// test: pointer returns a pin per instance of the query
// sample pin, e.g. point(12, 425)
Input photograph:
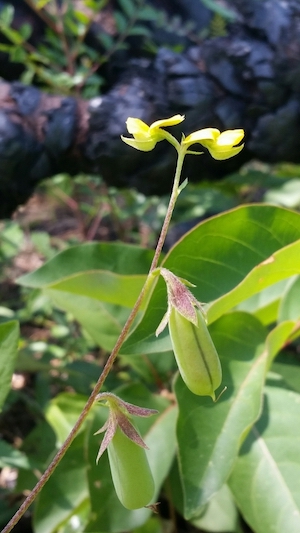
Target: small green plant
point(63, 61)
point(68, 61)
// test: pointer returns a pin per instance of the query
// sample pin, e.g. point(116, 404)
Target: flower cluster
point(220, 145)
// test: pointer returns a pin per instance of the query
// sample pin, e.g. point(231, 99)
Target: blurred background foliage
point(66, 46)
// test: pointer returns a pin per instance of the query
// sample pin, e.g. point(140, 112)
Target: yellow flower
point(220, 145)
point(145, 137)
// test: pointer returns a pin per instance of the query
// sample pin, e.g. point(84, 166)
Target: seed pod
point(130, 472)
point(197, 358)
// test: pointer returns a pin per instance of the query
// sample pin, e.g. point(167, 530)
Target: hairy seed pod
point(196, 356)
point(130, 472)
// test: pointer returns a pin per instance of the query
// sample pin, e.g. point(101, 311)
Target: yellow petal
point(143, 145)
point(164, 123)
point(224, 153)
point(230, 137)
point(209, 134)
point(136, 126)
point(220, 145)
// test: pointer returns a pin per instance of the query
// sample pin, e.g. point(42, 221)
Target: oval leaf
point(109, 272)
point(210, 435)
point(229, 258)
point(265, 480)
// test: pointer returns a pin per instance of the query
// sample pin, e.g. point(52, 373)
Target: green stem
point(172, 202)
point(110, 361)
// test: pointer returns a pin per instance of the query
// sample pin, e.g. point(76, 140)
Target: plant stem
point(110, 361)
point(172, 202)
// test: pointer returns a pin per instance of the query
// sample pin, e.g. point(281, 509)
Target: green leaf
point(18, 54)
point(265, 304)
point(9, 456)
point(110, 272)
point(154, 369)
point(82, 17)
point(287, 366)
point(229, 258)
point(128, 7)
point(104, 286)
point(287, 194)
point(42, 3)
point(102, 321)
point(265, 480)
point(25, 30)
point(221, 514)
point(153, 525)
point(282, 264)
point(161, 441)
point(121, 22)
point(62, 413)
point(228, 14)
point(96, 5)
point(65, 493)
point(5, 48)
point(209, 435)
point(38, 446)
point(95, 282)
point(106, 40)
point(11, 237)
point(143, 339)
point(148, 13)
point(12, 35)
point(9, 335)
point(140, 30)
point(7, 15)
point(289, 308)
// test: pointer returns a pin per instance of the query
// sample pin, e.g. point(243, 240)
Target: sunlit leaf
point(210, 435)
point(65, 493)
point(62, 413)
point(221, 514)
point(265, 480)
point(9, 456)
point(229, 258)
point(102, 321)
point(110, 272)
point(9, 335)
point(289, 308)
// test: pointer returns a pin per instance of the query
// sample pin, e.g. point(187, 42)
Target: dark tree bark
point(248, 79)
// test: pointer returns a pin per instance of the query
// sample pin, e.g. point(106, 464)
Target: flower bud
point(130, 471)
point(196, 356)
